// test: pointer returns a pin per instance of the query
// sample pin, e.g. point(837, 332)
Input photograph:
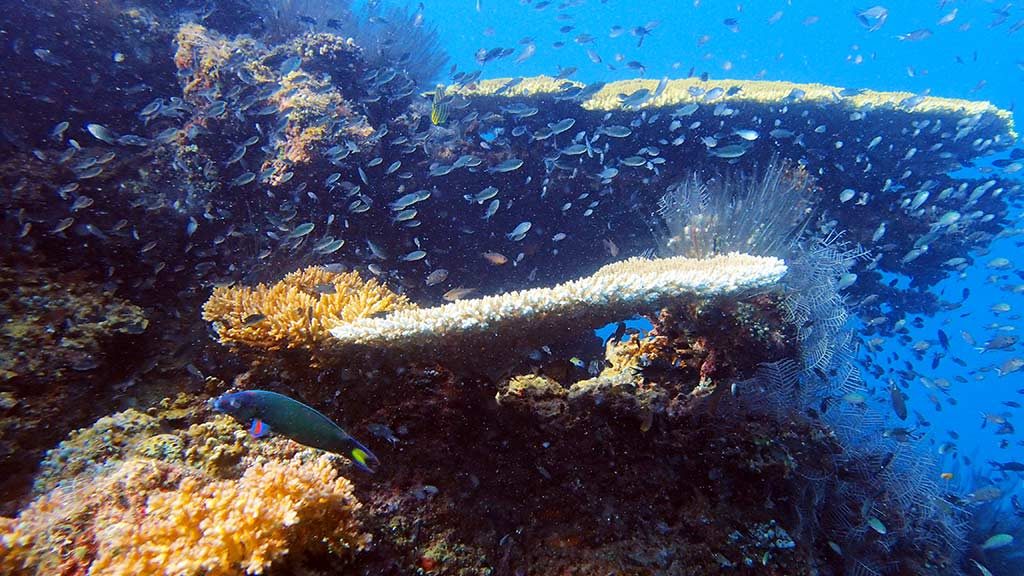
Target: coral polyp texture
point(149, 517)
point(298, 311)
point(615, 291)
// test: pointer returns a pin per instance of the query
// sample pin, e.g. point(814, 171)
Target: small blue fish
point(519, 232)
point(290, 65)
point(506, 166)
point(265, 411)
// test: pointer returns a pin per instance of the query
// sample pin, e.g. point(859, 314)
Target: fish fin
point(362, 457)
point(259, 428)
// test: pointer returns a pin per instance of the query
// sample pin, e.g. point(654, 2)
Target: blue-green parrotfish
point(265, 411)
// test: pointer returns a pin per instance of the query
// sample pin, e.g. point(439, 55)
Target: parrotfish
point(265, 411)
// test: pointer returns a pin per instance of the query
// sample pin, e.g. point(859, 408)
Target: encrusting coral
point(298, 311)
point(149, 517)
point(88, 449)
point(316, 110)
point(212, 446)
point(615, 291)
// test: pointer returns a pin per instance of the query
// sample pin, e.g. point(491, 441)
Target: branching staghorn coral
point(298, 311)
point(148, 517)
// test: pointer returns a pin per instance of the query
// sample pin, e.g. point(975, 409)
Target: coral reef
point(298, 311)
point(336, 316)
point(308, 97)
point(863, 130)
point(57, 325)
point(594, 477)
point(184, 148)
point(148, 517)
point(389, 36)
point(846, 509)
point(174, 490)
point(755, 214)
point(533, 393)
point(274, 509)
point(86, 450)
point(62, 339)
point(215, 446)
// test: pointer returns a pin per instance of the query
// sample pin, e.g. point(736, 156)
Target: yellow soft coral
point(298, 311)
point(147, 517)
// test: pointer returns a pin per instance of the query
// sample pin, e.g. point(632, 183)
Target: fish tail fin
point(361, 456)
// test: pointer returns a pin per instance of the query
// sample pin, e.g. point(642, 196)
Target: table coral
point(687, 90)
point(615, 291)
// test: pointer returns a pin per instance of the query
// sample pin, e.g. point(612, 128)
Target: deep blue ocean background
point(814, 42)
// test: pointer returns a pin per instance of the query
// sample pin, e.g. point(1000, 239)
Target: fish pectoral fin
point(259, 428)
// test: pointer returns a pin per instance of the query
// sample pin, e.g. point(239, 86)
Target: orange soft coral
point(298, 311)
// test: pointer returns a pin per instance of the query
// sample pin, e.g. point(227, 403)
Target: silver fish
point(519, 232)
point(101, 133)
point(330, 247)
point(507, 166)
point(482, 196)
point(492, 208)
point(301, 230)
point(616, 131)
point(243, 179)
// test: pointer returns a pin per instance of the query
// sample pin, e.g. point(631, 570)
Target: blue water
point(793, 48)
point(972, 57)
point(809, 42)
